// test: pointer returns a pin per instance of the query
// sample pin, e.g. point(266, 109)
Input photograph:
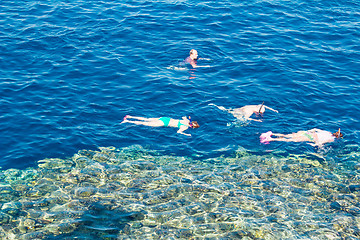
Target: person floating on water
point(314, 137)
point(192, 59)
point(182, 124)
point(244, 113)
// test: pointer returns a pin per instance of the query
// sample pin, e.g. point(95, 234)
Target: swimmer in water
point(244, 113)
point(182, 124)
point(314, 137)
point(192, 59)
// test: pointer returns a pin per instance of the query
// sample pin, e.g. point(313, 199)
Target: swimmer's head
point(194, 124)
point(193, 54)
point(338, 134)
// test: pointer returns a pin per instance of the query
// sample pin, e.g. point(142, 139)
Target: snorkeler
point(314, 137)
point(183, 124)
point(244, 113)
point(192, 58)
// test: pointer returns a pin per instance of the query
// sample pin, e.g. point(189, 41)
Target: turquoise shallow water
point(137, 193)
point(70, 71)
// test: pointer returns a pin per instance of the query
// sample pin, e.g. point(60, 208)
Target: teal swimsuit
point(166, 121)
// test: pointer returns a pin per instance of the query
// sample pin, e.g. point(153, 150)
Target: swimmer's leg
point(289, 139)
point(280, 139)
point(138, 118)
point(219, 107)
point(154, 123)
point(141, 118)
point(293, 136)
point(280, 135)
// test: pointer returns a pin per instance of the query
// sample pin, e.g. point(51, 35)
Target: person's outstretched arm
point(271, 109)
point(251, 119)
point(182, 129)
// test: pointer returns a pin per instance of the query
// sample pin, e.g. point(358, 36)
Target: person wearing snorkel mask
point(182, 124)
point(192, 59)
point(314, 137)
point(244, 113)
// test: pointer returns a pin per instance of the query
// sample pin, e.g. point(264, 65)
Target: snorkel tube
point(190, 122)
point(338, 134)
point(261, 107)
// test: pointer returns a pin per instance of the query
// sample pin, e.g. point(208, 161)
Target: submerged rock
point(135, 193)
point(354, 188)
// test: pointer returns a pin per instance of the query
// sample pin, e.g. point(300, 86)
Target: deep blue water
point(70, 71)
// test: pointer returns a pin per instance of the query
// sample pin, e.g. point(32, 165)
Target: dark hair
point(194, 124)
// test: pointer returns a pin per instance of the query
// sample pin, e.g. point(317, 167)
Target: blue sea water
point(71, 70)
